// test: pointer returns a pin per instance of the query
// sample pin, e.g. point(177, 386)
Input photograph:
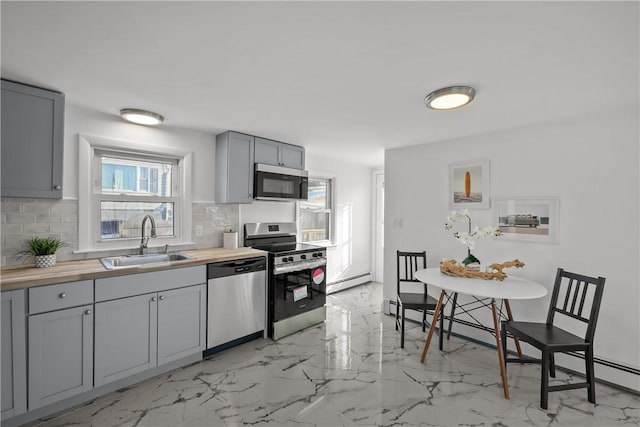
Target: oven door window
point(298, 291)
point(278, 185)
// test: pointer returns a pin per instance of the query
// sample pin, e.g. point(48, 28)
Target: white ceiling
point(343, 79)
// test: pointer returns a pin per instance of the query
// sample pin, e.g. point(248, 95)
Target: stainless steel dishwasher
point(236, 302)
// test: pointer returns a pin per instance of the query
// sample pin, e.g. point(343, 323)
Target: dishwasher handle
point(235, 267)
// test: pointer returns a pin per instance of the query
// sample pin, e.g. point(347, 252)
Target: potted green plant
point(44, 250)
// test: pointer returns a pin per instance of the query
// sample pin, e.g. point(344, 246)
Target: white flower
point(469, 238)
point(455, 217)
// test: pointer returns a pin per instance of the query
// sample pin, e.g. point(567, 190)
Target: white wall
point(351, 255)
point(80, 120)
point(348, 258)
point(591, 164)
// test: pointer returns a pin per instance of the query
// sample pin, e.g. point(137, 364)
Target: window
point(133, 187)
point(124, 183)
point(316, 214)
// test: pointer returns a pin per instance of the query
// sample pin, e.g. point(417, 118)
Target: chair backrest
point(578, 297)
point(408, 264)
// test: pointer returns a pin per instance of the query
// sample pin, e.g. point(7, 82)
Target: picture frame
point(469, 185)
point(529, 219)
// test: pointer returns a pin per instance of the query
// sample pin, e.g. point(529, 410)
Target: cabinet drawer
point(129, 285)
point(63, 295)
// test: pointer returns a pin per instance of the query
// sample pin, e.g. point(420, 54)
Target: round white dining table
point(512, 287)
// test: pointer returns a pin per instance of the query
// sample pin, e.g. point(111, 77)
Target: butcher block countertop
point(68, 271)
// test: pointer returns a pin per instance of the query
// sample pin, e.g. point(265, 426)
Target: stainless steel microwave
point(279, 183)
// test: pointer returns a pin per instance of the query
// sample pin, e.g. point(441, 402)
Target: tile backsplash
point(25, 218)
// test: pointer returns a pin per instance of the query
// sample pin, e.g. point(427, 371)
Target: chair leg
point(552, 365)
point(402, 330)
point(424, 320)
point(544, 382)
point(591, 379)
point(503, 338)
point(453, 309)
point(397, 313)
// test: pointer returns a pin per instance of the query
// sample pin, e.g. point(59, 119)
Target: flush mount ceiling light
point(141, 117)
point(449, 98)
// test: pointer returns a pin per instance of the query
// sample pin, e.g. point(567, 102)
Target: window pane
point(135, 176)
point(314, 226)
point(124, 219)
point(318, 194)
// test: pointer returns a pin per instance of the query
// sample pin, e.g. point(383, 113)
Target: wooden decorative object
point(451, 268)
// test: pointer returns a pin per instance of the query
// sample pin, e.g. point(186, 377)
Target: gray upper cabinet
point(32, 141)
point(234, 168)
point(60, 355)
point(278, 153)
point(14, 354)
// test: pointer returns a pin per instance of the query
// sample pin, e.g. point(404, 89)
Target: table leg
point(510, 317)
point(436, 313)
point(453, 309)
point(503, 371)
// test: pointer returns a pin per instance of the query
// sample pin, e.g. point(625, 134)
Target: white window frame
point(90, 193)
point(330, 210)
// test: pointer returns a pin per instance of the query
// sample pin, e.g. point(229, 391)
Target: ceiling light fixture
point(141, 117)
point(449, 98)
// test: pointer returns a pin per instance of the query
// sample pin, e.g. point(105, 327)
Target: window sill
point(324, 244)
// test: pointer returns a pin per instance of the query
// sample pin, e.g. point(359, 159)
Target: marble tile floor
point(350, 371)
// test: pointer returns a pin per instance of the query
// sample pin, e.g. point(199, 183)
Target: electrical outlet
point(199, 231)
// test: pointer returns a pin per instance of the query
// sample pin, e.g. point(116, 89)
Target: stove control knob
point(290, 259)
point(284, 259)
point(303, 257)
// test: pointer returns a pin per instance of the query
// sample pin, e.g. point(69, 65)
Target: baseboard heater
point(340, 285)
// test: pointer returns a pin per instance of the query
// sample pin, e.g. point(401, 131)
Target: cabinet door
point(14, 354)
point(292, 156)
point(267, 152)
point(60, 355)
point(181, 323)
point(126, 337)
point(234, 168)
point(32, 141)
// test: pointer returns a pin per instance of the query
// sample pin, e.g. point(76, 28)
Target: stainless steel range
point(296, 277)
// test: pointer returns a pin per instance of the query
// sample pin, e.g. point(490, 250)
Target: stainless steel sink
point(127, 261)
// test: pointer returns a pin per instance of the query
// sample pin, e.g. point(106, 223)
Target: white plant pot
point(43, 261)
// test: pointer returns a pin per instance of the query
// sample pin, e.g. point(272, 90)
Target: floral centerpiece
point(469, 237)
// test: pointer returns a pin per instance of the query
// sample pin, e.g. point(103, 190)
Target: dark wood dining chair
point(408, 263)
point(575, 297)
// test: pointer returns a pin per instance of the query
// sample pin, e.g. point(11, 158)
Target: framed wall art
point(527, 218)
point(469, 185)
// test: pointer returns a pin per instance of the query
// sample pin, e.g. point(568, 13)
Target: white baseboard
point(348, 283)
point(388, 306)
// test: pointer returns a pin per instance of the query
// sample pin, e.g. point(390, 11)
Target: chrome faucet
point(145, 240)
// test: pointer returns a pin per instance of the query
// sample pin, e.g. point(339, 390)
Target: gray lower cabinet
point(137, 333)
point(14, 354)
point(60, 355)
point(126, 336)
point(181, 322)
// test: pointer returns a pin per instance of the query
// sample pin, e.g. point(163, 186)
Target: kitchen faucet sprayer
point(145, 240)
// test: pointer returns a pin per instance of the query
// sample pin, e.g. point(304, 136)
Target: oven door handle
point(299, 266)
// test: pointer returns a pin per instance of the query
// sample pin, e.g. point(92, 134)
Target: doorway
point(379, 229)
